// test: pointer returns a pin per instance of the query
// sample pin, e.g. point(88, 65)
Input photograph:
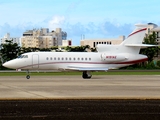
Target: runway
point(74, 87)
point(71, 97)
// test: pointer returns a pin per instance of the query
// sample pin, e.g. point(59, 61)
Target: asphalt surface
point(79, 109)
point(71, 97)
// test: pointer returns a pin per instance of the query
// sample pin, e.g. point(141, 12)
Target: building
point(66, 42)
point(42, 38)
point(155, 28)
point(7, 37)
point(93, 42)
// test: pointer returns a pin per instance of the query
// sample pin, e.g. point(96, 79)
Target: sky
point(91, 19)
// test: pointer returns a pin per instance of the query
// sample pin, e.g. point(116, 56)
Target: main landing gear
point(28, 76)
point(86, 75)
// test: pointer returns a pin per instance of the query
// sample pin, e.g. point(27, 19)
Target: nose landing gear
point(28, 76)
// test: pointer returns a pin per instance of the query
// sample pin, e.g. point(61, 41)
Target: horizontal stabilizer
point(140, 45)
point(87, 68)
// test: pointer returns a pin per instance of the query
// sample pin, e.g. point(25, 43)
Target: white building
point(7, 37)
point(66, 42)
point(94, 42)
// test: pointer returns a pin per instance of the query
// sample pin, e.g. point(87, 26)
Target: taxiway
point(74, 87)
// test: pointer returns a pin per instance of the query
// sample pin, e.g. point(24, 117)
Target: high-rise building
point(42, 38)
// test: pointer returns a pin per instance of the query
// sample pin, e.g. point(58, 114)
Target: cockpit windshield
point(23, 56)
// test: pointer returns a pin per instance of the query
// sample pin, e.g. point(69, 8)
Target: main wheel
point(86, 75)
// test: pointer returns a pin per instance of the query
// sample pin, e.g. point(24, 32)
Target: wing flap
point(87, 68)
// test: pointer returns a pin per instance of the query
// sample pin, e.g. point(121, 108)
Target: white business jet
point(107, 57)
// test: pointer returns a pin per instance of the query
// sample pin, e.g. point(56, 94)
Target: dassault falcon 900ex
point(107, 57)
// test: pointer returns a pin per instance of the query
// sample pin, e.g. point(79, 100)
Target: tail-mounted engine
point(111, 58)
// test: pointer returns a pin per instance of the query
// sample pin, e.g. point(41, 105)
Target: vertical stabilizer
point(137, 36)
point(131, 44)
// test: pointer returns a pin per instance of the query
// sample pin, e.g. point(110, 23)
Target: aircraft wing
point(87, 68)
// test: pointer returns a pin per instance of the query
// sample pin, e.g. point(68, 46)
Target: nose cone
point(10, 64)
point(5, 64)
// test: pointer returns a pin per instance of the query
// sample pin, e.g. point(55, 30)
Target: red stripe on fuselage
point(133, 62)
point(126, 62)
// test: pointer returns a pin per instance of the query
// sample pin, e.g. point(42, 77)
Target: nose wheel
point(28, 76)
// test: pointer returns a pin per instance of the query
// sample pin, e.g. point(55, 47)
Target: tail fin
point(131, 44)
point(137, 36)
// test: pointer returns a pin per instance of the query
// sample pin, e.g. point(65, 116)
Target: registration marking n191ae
point(111, 57)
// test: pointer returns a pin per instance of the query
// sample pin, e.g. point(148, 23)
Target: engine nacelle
point(111, 58)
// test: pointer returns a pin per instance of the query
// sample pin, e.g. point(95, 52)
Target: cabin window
point(50, 58)
point(66, 58)
point(58, 58)
point(70, 59)
point(47, 58)
point(54, 58)
point(94, 44)
point(74, 58)
point(85, 58)
point(81, 58)
point(78, 58)
point(89, 58)
point(19, 56)
point(25, 56)
point(62, 58)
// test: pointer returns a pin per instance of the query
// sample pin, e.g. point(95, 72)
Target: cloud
point(17, 30)
point(112, 29)
point(104, 30)
point(91, 30)
point(74, 31)
point(56, 21)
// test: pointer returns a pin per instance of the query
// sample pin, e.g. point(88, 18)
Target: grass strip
point(80, 73)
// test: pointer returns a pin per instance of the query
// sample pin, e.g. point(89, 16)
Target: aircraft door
point(35, 61)
point(103, 57)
